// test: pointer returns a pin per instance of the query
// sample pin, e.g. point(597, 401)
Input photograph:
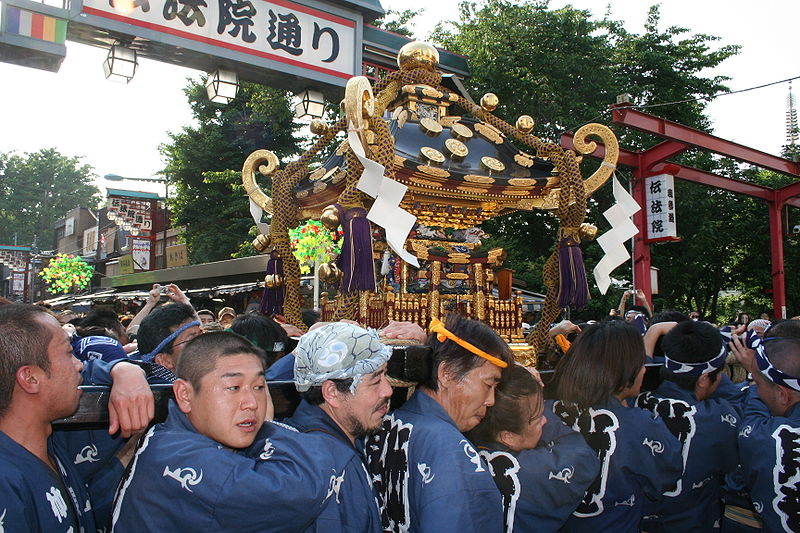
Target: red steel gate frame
point(679, 138)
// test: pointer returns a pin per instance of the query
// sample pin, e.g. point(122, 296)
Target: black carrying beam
point(92, 411)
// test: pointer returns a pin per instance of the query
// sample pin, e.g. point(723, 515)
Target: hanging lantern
point(312, 105)
point(222, 86)
point(120, 64)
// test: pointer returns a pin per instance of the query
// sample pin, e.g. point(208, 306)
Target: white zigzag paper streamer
point(256, 212)
point(386, 211)
point(613, 241)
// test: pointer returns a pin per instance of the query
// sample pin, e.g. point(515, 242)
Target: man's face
point(205, 319)
point(468, 399)
point(179, 343)
point(60, 388)
point(232, 402)
point(361, 413)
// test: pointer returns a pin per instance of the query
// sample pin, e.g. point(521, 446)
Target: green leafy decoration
point(314, 243)
point(67, 273)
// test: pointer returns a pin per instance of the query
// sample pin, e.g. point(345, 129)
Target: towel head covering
point(337, 351)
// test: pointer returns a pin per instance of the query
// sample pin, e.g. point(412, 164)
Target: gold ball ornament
point(587, 232)
point(318, 127)
point(489, 102)
point(417, 54)
point(330, 217)
point(525, 124)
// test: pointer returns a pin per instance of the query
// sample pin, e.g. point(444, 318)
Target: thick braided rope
point(383, 153)
point(407, 77)
point(285, 207)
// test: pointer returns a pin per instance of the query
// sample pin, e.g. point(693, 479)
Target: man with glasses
point(162, 336)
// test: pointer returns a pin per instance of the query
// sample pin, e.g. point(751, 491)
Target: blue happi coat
point(639, 458)
point(769, 451)
point(31, 496)
point(34, 498)
point(707, 432)
point(97, 347)
point(93, 454)
point(181, 480)
point(428, 476)
point(541, 487)
point(354, 508)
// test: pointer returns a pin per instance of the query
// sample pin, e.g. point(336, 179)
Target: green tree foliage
point(398, 21)
point(37, 189)
point(203, 165)
point(564, 69)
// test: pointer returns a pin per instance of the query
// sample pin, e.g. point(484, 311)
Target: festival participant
point(190, 473)
point(639, 457)
point(541, 466)
point(429, 477)
point(340, 371)
point(770, 430)
point(172, 292)
point(162, 337)
point(41, 489)
point(264, 333)
point(705, 426)
point(643, 308)
point(206, 317)
point(226, 316)
point(759, 326)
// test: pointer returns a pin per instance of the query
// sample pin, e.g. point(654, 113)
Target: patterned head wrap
point(337, 351)
point(770, 372)
point(696, 369)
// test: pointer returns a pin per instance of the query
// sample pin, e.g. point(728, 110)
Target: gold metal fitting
point(587, 232)
point(330, 217)
point(319, 127)
point(417, 54)
point(456, 149)
point(525, 124)
point(262, 243)
point(430, 126)
point(273, 280)
point(489, 102)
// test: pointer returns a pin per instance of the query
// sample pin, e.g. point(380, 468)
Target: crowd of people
point(399, 429)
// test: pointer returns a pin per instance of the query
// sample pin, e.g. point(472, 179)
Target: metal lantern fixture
point(312, 105)
point(222, 86)
point(120, 64)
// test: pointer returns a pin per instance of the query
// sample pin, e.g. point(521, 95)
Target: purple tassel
point(272, 298)
point(573, 290)
point(355, 261)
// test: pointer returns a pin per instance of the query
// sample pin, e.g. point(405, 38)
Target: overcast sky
point(117, 128)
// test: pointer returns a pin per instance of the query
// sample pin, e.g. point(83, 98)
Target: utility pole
point(34, 257)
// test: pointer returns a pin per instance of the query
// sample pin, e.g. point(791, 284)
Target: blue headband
point(696, 369)
point(773, 374)
point(171, 337)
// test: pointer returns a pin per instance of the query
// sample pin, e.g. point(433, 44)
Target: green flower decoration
point(312, 242)
point(67, 273)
